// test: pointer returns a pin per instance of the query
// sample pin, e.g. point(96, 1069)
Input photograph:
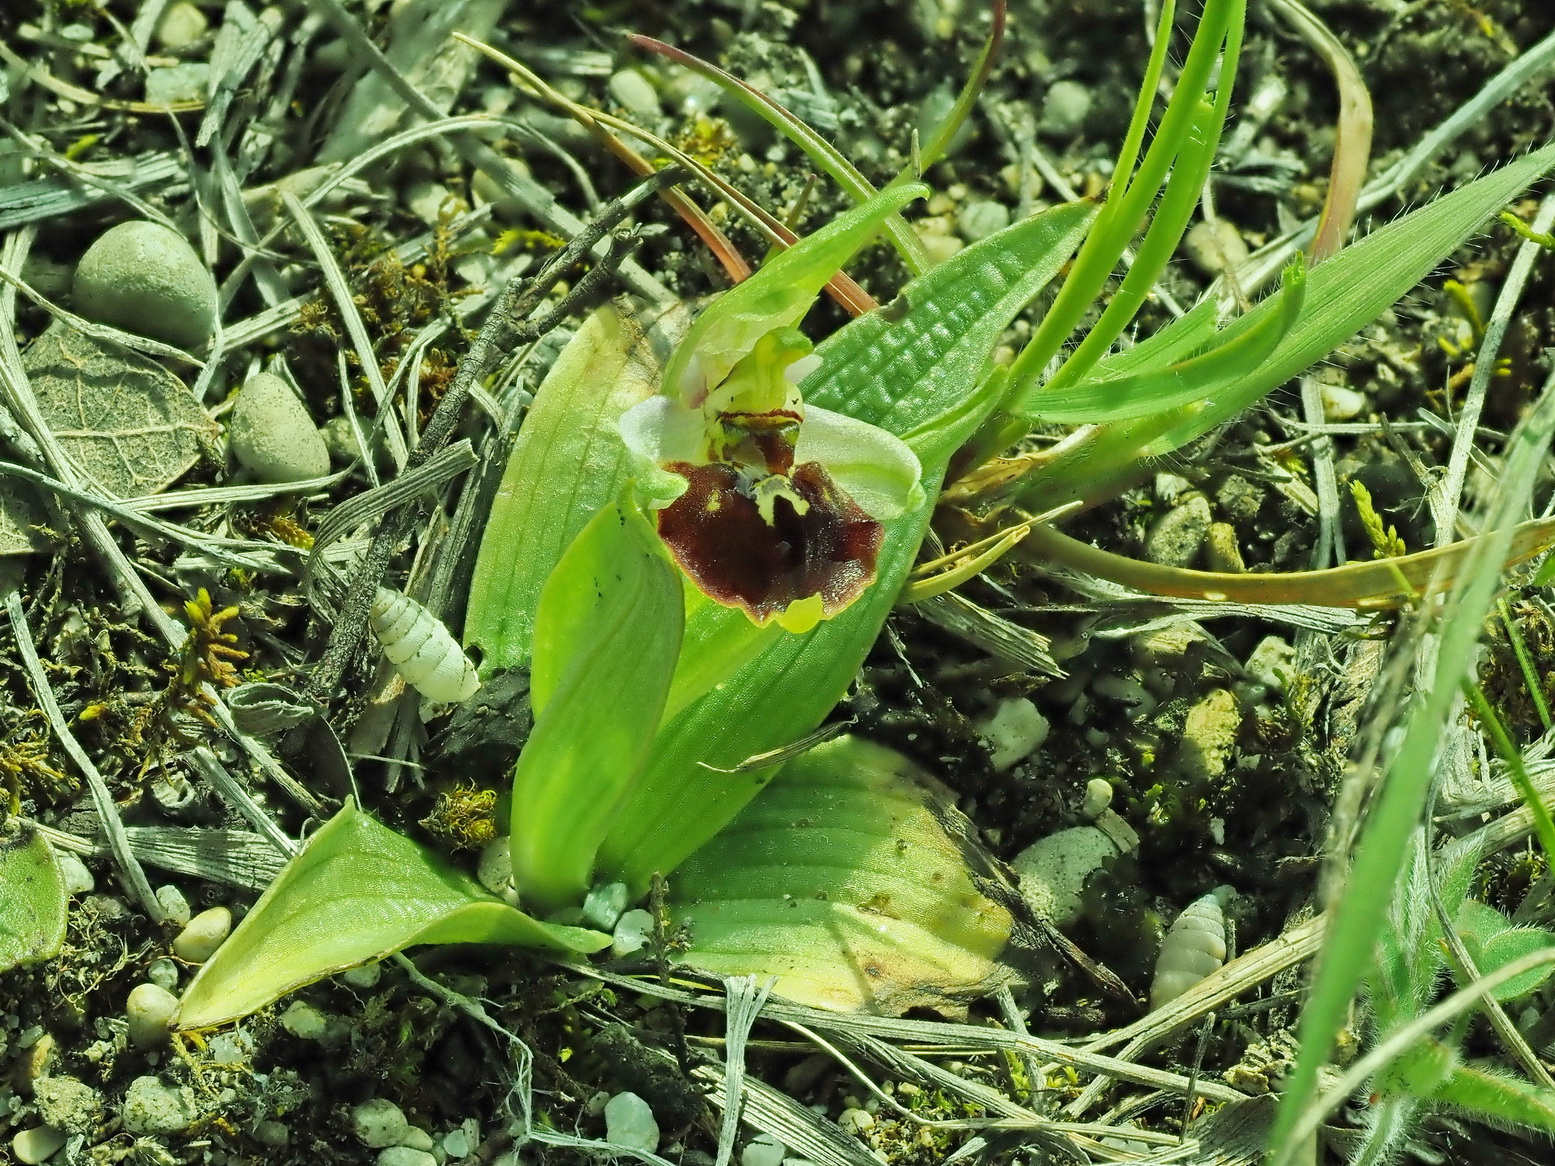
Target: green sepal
point(356, 893)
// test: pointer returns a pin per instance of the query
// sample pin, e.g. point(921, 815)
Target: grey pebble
point(978, 220)
point(202, 935)
point(150, 1011)
point(37, 1144)
point(1178, 535)
point(272, 435)
point(78, 880)
point(1064, 109)
point(67, 1104)
point(634, 92)
point(143, 278)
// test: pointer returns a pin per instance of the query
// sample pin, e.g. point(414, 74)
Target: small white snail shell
point(1193, 948)
point(421, 649)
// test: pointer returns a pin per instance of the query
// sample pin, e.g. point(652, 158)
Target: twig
point(102, 800)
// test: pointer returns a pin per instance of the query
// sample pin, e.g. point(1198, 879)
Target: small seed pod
point(422, 650)
point(1193, 948)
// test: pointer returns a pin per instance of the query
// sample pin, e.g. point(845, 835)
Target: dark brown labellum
point(716, 532)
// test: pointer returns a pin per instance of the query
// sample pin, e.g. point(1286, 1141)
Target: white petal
point(876, 468)
point(659, 431)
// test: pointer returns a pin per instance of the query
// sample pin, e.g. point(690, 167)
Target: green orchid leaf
point(32, 898)
point(843, 880)
point(356, 893)
point(606, 641)
point(777, 296)
point(906, 367)
point(1225, 364)
point(567, 463)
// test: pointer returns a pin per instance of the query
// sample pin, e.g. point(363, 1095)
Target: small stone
point(603, 905)
point(629, 1122)
point(181, 25)
point(1238, 499)
point(172, 84)
point(856, 1121)
point(68, 1104)
point(273, 1134)
point(1014, 731)
point(405, 1156)
point(1215, 247)
point(39, 1052)
point(1064, 109)
point(231, 1048)
point(272, 434)
point(202, 935)
point(37, 1144)
point(364, 977)
point(144, 278)
point(1053, 871)
point(428, 200)
point(1209, 736)
point(304, 1021)
point(150, 1011)
point(1342, 404)
point(163, 972)
point(1272, 663)
point(1170, 487)
point(1178, 535)
point(1098, 796)
point(980, 219)
point(78, 880)
point(378, 1122)
point(417, 1139)
point(634, 93)
point(152, 1107)
point(1222, 551)
point(494, 871)
point(175, 906)
point(763, 1150)
point(631, 933)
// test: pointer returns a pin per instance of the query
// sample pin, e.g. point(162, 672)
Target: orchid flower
point(767, 504)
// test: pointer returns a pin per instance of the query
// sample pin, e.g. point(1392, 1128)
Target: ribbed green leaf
point(32, 898)
point(842, 880)
point(356, 893)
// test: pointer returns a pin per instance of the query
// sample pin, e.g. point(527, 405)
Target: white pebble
point(304, 1021)
point(1053, 871)
point(202, 935)
point(417, 1139)
point(78, 880)
point(1193, 948)
point(405, 1156)
point(378, 1122)
point(272, 433)
point(150, 1107)
point(147, 279)
point(1342, 404)
point(150, 1011)
point(1098, 796)
point(629, 1122)
point(495, 871)
point(363, 977)
point(1013, 732)
point(763, 1150)
point(631, 933)
point(37, 1144)
point(635, 92)
point(175, 906)
point(181, 25)
point(856, 1121)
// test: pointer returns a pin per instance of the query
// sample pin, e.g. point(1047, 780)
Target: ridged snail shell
point(1193, 948)
point(422, 650)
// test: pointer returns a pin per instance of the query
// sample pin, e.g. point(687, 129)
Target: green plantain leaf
point(842, 880)
point(903, 368)
point(356, 893)
point(605, 644)
point(1510, 944)
point(32, 898)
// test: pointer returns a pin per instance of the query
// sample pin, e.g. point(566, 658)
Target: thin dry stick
point(1444, 500)
point(102, 800)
